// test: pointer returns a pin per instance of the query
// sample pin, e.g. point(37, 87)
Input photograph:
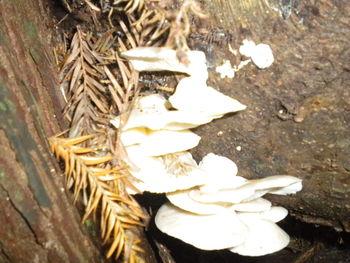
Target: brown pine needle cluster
point(120, 213)
point(97, 85)
point(84, 94)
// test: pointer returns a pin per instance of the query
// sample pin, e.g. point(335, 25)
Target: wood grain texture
point(39, 222)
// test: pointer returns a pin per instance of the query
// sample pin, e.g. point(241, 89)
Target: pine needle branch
point(80, 74)
point(120, 213)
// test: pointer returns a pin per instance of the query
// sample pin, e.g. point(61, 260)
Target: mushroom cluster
point(228, 211)
point(156, 135)
point(209, 206)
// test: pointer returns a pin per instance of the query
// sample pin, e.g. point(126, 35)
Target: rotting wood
point(39, 222)
point(297, 121)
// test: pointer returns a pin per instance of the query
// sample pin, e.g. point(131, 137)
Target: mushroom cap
point(278, 184)
point(193, 94)
point(166, 59)
point(221, 173)
point(154, 175)
point(234, 196)
point(207, 232)
point(273, 214)
point(264, 237)
point(182, 200)
point(250, 190)
point(162, 142)
point(151, 112)
point(256, 205)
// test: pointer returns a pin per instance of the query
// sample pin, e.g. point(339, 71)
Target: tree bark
point(298, 116)
point(38, 221)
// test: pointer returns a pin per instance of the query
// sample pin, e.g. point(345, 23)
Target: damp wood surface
point(297, 121)
point(38, 220)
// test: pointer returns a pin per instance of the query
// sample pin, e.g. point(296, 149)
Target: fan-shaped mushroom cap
point(251, 190)
point(264, 237)
point(163, 142)
point(166, 59)
point(278, 184)
point(193, 94)
point(208, 232)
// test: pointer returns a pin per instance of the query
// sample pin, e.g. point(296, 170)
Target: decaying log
point(38, 221)
point(298, 116)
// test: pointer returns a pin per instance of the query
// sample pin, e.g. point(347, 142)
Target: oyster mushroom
point(166, 59)
point(151, 112)
point(208, 232)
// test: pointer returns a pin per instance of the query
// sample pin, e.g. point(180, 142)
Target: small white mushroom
point(264, 237)
point(166, 59)
point(208, 232)
point(260, 54)
point(193, 94)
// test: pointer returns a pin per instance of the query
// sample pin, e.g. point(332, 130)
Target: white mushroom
point(225, 171)
point(193, 94)
point(208, 232)
point(182, 200)
point(278, 184)
point(273, 214)
point(264, 237)
point(251, 190)
point(167, 59)
point(151, 112)
point(134, 136)
point(154, 175)
point(161, 142)
point(260, 54)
